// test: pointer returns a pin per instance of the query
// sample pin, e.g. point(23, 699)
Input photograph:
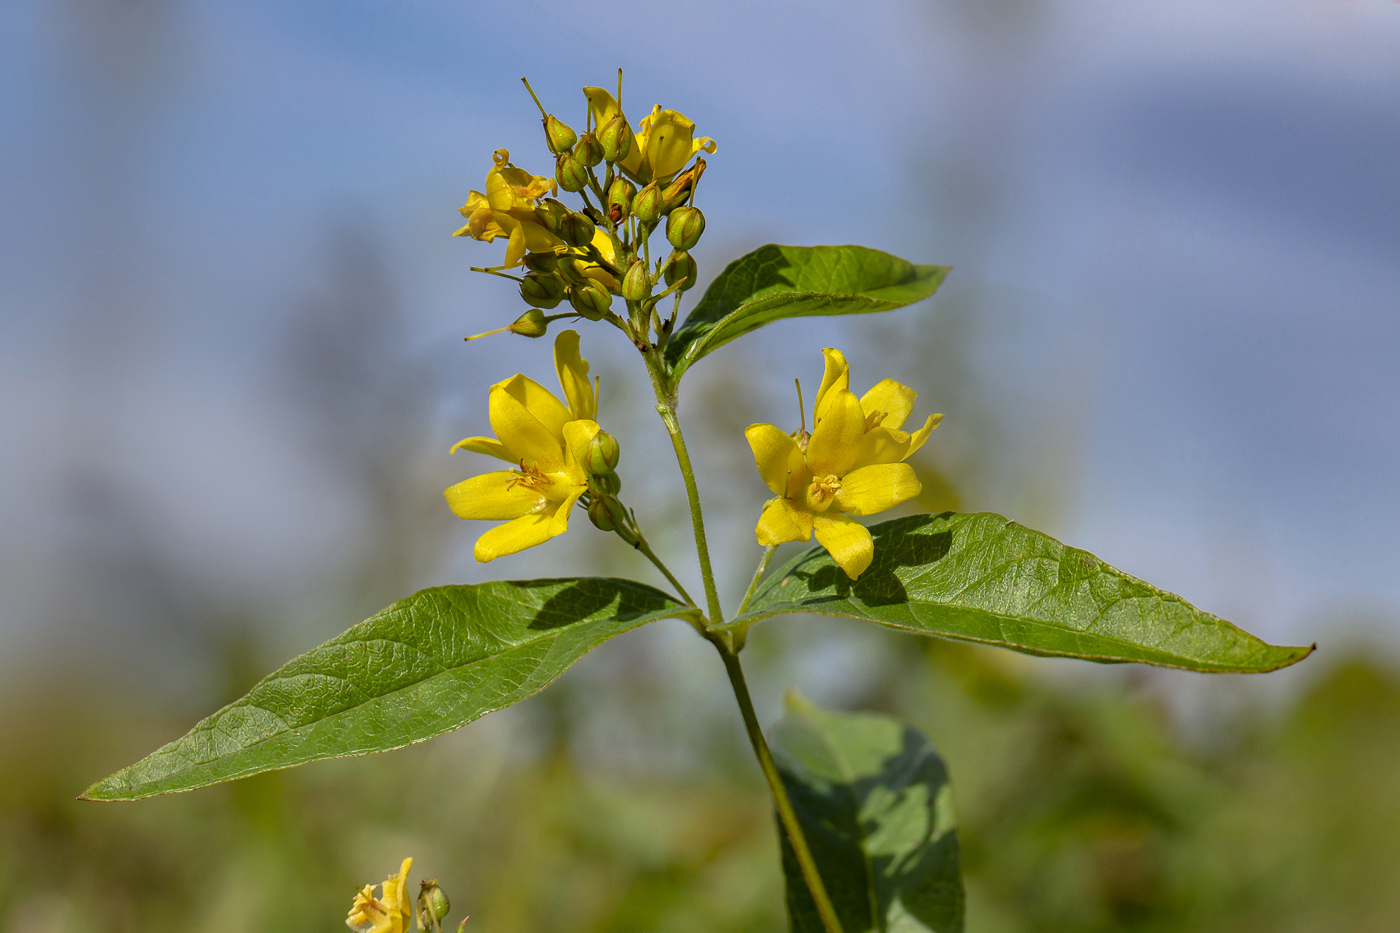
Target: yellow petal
point(846, 540)
point(707, 144)
point(837, 434)
point(603, 108)
point(560, 514)
point(522, 433)
point(895, 401)
point(515, 246)
point(513, 537)
point(836, 376)
point(485, 445)
point(494, 497)
point(573, 376)
point(881, 445)
point(604, 244)
point(917, 439)
point(778, 458)
point(781, 522)
point(669, 145)
point(875, 488)
point(541, 402)
point(577, 435)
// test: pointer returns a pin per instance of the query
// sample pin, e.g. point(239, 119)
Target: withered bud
point(674, 194)
point(620, 199)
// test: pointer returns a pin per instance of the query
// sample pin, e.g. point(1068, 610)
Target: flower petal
point(875, 488)
point(494, 497)
point(837, 376)
point(669, 145)
point(577, 436)
point(540, 402)
point(513, 537)
point(837, 434)
point(881, 445)
point(895, 401)
point(917, 439)
point(781, 522)
point(573, 376)
point(485, 445)
point(778, 458)
point(521, 432)
point(603, 108)
point(846, 540)
point(560, 515)
point(515, 246)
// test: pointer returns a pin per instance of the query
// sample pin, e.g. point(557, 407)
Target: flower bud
point(682, 267)
point(558, 134)
point(541, 262)
point(570, 173)
point(620, 199)
point(550, 213)
point(542, 291)
point(605, 484)
point(636, 286)
point(590, 299)
point(603, 454)
point(604, 513)
point(646, 206)
point(588, 151)
point(616, 139)
point(432, 905)
point(684, 226)
point(674, 194)
point(576, 230)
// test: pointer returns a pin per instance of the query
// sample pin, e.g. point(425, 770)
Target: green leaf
point(984, 579)
point(776, 282)
point(426, 665)
point(874, 803)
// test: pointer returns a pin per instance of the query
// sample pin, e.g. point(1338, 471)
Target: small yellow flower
point(547, 440)
point(508, 209)
point(665, 139)
point(391, 912)
point(851, 464)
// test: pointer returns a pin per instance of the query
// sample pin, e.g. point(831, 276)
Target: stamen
point(801, 406)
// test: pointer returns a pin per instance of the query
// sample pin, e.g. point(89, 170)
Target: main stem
point(786, 814)
point(666, 408)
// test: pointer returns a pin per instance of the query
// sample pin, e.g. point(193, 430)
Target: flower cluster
point(391, 912)
point(852, 464)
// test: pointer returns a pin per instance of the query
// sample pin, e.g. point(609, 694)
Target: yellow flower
point(851, 464)
point(664, 142)
point(547, 440)
point(388, 913)
point(508, 209)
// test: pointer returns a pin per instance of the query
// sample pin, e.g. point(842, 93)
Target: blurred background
point(231, 367)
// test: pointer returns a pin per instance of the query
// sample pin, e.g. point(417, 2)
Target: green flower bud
point(588, 151)
point(603, 454)
point(601, 513)
point(558, 134)
point(570, 173)
point(682, 267)
point(646, 206)
point(684, 226)
point(432, 905)
point(590, 299)
point(616, 139)
point(542, 291)
point(576, 230)
point(605, 484)
point(620, 199)
point(541, 262)
point(550, 213)
point(635, 285)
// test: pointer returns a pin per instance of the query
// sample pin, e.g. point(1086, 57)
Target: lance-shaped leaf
point(776, 282)
point(984, 579)
point(873, 799)
point(424, 666)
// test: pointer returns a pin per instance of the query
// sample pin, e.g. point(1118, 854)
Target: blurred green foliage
point(1082, 808)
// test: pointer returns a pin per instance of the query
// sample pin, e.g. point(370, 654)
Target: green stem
point(656, 562)
point(666, 408)
point(786, 814)
point(757, 575)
